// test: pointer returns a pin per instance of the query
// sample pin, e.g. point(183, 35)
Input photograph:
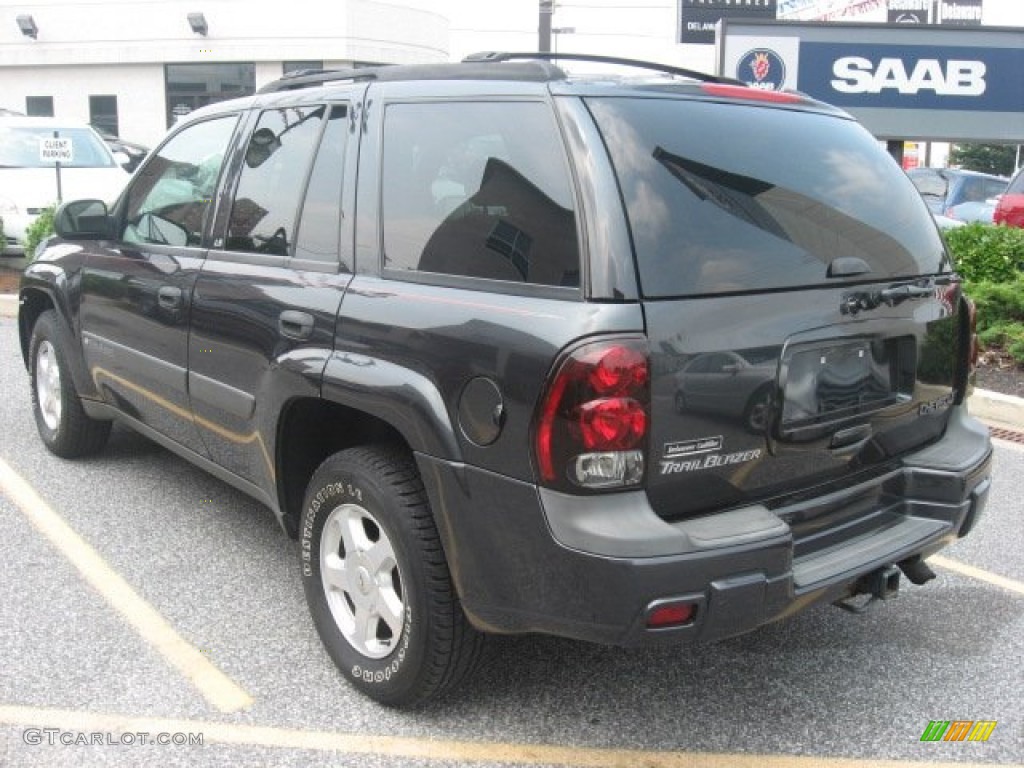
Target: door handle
point(295, 324)
point(169, 297)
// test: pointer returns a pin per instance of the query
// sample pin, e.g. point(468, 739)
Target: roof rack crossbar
point(499, 56)
point(307, 78)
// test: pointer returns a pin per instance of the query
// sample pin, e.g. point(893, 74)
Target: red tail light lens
point(613, 424)
point(593, 420)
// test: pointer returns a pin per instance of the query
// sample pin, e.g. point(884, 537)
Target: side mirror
point(122, 158)
point(82, 220)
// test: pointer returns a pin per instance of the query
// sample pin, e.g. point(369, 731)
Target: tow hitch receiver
point(883, 584)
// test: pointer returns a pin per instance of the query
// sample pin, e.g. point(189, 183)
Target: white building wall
point(139, 89)
point(119, 47)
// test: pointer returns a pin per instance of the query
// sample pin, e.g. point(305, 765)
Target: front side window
point(170, 197)
point(271, 185)
point(478, 190)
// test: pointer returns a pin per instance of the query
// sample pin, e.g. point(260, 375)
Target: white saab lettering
point(960, 78)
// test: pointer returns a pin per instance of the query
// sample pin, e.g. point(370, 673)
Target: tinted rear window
point(731, 198)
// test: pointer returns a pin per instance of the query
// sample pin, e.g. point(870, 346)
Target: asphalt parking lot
point(142, 599)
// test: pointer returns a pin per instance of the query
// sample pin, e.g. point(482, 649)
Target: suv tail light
point(593, 420)
point(972, 315)
point(968, 346)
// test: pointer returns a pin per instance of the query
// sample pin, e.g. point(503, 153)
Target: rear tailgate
point(802, 317)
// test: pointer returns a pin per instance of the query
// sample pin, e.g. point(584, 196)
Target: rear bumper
point(531, 560)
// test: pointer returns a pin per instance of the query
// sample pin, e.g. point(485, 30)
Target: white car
point(28, 184)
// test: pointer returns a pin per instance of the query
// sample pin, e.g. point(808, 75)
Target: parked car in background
point(944, 222)
point(136, 153)
point(730, 383)
point(943, 188)
point(28, 184)
point(972, 211)
point(1010, 207)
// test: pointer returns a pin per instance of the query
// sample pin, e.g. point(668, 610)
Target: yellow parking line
point(977, 573)
point(216, 687)
point(71, 721)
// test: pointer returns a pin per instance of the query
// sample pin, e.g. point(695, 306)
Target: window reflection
point(478, 190)
point(276, 162)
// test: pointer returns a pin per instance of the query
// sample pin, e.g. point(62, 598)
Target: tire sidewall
point(390, 678)
point(44, 330)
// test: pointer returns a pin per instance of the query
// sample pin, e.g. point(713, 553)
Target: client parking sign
point(56, 150)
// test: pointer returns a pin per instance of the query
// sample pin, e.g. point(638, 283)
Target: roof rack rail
point(498, 56)
point(306, 78)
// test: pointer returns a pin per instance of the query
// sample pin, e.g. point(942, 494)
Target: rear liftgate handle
point(295, 325)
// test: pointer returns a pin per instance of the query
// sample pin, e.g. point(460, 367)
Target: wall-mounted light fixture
point(28, 27)
point(198, 23)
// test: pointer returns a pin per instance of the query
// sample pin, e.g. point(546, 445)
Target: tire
point(377, 582)
point(63, 425)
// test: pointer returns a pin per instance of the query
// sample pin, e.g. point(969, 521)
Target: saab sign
point(914, 77)
point(903, 81)
point(856, 74)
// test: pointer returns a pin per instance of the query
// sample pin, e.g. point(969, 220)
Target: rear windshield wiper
point(859, 301)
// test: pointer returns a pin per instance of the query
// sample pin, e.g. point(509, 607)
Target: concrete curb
point(8, 305)
point(1003, 410)
point(995, 407)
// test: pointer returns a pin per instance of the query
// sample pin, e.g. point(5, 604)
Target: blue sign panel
point(913, 76)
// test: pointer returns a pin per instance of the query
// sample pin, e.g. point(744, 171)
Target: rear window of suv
point(734, 198)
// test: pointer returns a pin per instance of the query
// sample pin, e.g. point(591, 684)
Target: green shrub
point(39, 230)
point(1008, 336)
point(3, 240)
point(1001, 315)
point(985, 252)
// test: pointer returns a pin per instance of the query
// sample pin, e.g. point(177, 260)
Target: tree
point(986, 158)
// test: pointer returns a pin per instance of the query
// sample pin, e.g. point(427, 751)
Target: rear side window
point(733, 198)
point(321, 209)
point(1016, 185)
point(478, 190)
point(930, 184)
point(267, 200)
point(991, 188)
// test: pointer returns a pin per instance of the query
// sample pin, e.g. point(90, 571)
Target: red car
point(1010, 208)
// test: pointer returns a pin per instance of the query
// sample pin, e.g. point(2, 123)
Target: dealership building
point(133, 66)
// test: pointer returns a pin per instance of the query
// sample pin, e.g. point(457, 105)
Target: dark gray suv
point(459, 328)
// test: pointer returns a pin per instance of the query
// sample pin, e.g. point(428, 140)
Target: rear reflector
point(750, 94)
point(671, 615)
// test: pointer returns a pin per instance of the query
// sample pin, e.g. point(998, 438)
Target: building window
point(191, 86)
point(103, 114)
point(298, 66)
point(39, 106)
